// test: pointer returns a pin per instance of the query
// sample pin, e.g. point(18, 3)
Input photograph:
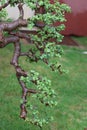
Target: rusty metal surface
point(77, 20)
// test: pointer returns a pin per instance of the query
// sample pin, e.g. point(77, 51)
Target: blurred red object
point(76, 20)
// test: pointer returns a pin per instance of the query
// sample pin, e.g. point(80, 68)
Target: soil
point(67, 40)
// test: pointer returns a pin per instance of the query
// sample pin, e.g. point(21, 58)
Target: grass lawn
point(71, 112)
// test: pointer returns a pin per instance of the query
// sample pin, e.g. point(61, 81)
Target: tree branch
point(30, 55)
point(5, 5)
point(22, 35)
point(7, 40)
point(20, 72)
point(6, 26)
point(21, 10)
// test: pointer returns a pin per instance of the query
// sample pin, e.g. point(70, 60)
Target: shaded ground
point(69, 41)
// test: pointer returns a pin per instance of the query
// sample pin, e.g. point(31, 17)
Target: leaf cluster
point(45, 95)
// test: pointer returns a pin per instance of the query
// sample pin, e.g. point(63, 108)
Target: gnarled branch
point(21, 11)
point(6, 26)
point(7, 40)
point(20, 72)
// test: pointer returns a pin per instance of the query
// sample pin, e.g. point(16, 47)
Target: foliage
point(45, 49)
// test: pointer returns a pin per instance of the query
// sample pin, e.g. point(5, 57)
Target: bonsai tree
point(43, 46)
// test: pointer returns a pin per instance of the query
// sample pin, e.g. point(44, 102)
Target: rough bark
point(14, 36)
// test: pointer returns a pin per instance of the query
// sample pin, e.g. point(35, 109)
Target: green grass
point(71, 112)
